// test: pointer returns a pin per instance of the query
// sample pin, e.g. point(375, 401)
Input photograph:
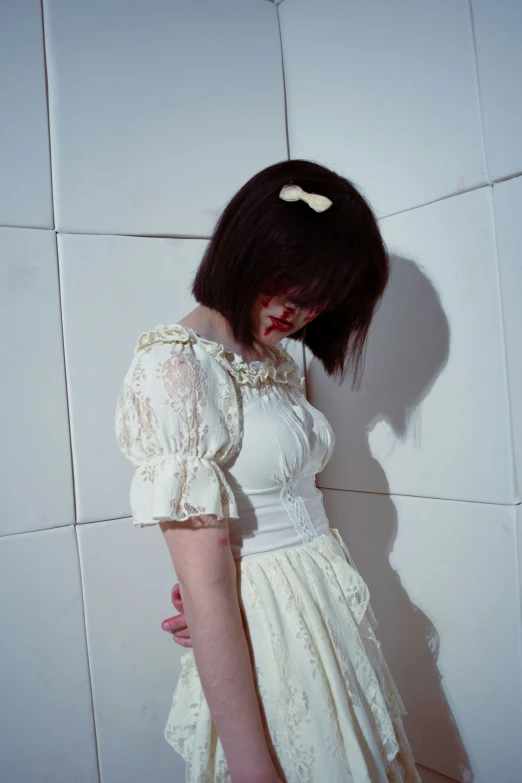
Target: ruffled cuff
point(178, 487)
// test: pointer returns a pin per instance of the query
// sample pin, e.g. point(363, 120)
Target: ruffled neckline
point(279, 367)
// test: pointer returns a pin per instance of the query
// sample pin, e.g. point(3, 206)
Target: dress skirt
point(331, 709)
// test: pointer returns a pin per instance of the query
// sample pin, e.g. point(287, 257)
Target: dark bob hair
point(264, 245)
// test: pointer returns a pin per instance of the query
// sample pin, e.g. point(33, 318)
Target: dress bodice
point(212, 433)
point(285, 442)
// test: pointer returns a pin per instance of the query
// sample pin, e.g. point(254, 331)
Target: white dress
point(212, 434)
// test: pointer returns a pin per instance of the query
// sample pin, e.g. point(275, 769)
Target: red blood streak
point(221, 542)
point(265, 302)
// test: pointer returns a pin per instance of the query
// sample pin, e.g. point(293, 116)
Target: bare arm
point(207, 575)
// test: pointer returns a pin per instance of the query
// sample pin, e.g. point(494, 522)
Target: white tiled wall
point(25, 174)
point(507, 198)
point(36, 480)
point(134, 664)
point(435, 367)
point(158, 111)
point(385, 93)
point(47, 731)
point(497, 27)
point(144, 282)
point(443, 577)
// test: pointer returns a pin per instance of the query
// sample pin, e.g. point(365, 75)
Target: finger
point(175, 619)
point(184, 634)
point(174, 624)
point(176, 598)
point(182, 641)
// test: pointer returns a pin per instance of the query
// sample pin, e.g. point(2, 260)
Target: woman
point(285, 680)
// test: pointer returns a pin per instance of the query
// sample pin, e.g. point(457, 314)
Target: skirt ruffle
point(331, 708)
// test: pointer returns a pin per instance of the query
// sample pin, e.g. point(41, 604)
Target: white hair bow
point(295, 192)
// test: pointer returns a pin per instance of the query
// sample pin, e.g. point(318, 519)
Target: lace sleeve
point(177, 422)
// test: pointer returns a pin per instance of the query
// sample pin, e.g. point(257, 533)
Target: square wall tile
point(386, 95)
point(134, 663)
point(36, 479)
point(507, 198)
point(443, 580)
point(113, 288)
point(160, 111)
point(498, 27)
point(25, 180)
point(47, 727)
point(431, 417)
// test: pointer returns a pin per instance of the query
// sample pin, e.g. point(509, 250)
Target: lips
point(281, 326)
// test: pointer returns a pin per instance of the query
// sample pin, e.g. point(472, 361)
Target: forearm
point(223, 660)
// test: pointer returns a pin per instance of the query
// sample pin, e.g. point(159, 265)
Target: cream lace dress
point(212, 434)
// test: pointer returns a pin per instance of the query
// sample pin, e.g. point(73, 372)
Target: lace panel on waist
point(296, 509)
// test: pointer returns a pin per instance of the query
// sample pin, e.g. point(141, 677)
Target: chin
point(273, 336)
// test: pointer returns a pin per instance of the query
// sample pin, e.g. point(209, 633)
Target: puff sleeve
point(177, 420)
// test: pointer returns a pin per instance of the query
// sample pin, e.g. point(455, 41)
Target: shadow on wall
point(398, 376)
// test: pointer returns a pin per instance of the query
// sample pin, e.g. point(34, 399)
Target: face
point(277, 317)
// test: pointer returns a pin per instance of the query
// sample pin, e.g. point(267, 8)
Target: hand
point(177, 625)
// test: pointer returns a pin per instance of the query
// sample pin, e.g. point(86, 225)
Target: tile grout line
point(88, 653)
point(80, 525)
point(66, 381)
point(207, 238)
point(75, 509)
point(437, 200)
point(504, 347)
point(46, 76)
point(285, 99)
point(423, 497)
point(477, 88)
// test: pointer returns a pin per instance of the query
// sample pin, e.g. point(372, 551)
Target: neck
point(217, 328)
